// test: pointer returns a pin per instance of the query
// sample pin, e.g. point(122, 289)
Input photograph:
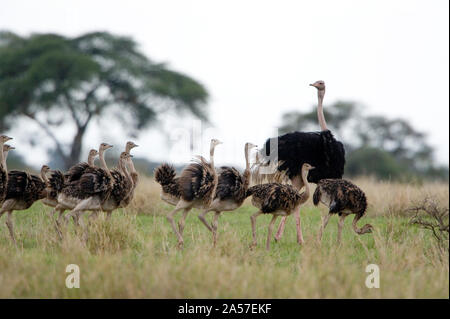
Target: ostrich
point(75, 172)
point(56, 182)
point(88, 193)
point(122, 180)
point(320, 149)
point(134, 179)
point(51, 198)
point(342, 197)
point(122, 186)
point(197, 183)
point(133, 173)
point(23, 189)
point(230, 193)
point(3, 168)
point(277, 199)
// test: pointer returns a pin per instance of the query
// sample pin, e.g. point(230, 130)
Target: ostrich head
point(45, 169)
point(4, 138)
point(104, 146)
point(125, 156)
point(7, 148)
point(367, 228)
point(307, 167)
point(130, 145)
point(249, 146)
point(215, 142)
point(93, 153)
point(319, 85)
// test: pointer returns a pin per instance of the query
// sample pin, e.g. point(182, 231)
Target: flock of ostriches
point(301, 158)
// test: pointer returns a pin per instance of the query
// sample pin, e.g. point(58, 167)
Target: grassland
point(135, 255)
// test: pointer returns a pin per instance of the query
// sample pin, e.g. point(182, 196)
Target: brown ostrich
point(197, 182)
point(3, 168)
point(23, 189)
point(88, 193)
point(230, 193)
point(342, 197)
point(122, 186)
point(75, 172)
point(277, 199)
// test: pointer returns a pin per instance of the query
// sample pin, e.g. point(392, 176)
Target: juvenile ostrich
point(197, 183)
point(277, 199)
point(319, 149)
point(52, 196)
point(125, 183)
point(57, 180)
point(3, 168)
point(230, 193)
point(75, 172)
point(23, 189)
point(133, 173)
point(88, 193)
point(122, 186)
point(343, 198)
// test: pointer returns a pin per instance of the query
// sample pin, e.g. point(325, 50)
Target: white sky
point(257, 58)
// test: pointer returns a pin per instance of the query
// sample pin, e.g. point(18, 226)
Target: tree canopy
point(54, 80)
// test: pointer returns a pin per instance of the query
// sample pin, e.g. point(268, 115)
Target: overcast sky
point(257, 57)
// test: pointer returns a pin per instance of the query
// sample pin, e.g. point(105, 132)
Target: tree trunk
point(75, 151)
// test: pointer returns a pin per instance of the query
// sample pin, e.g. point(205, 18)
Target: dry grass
point(135, 256)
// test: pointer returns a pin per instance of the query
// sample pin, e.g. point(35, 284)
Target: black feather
point(320, 149)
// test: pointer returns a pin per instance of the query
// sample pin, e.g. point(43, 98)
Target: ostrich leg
point(182, 221)
point(269, 233)
point(203, 219)
point(215, 223)
point(298, 184)
point(7, 207)
point(253, 219)
point(340, 226)
point(322, 227)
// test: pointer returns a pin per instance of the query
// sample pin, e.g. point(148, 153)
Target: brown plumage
point(75, 172)
point(231, 192)
point(122, 186)
point(3, 168)
point(88, 193)
point(165, 176)
point(197, 184)
point(342, 197)
point(277, 199)
point(23, 189)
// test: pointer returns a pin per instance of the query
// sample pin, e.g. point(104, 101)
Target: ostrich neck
point(91, 159)
point(126, 172)
point(305, 182)
point(133, 173)
point(247, 168)
point(103, 162)
point(43, 176)
point(211, 156)
point(320, 116)
point(2, 157)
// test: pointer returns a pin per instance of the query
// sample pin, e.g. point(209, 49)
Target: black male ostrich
point(320, 149)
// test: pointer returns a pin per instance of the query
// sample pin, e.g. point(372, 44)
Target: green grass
point(136, 256)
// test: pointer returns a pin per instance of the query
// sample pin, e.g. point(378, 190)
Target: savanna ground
point(135, 255)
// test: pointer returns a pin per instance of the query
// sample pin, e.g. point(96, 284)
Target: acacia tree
point(55, 80)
